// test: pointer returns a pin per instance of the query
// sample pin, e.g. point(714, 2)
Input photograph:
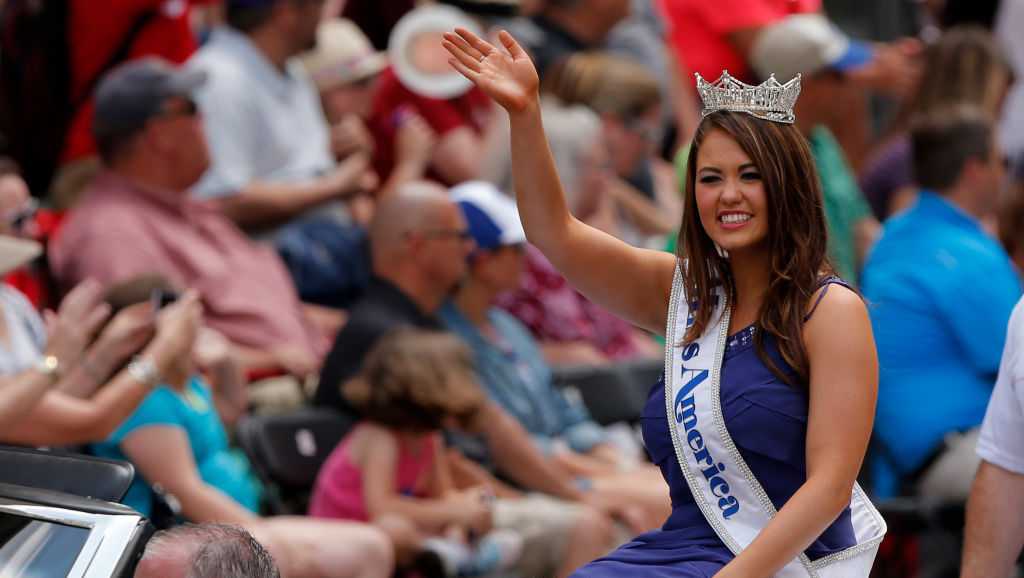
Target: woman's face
point(731, 199)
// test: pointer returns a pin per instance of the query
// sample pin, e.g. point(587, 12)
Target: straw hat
point(343, 55)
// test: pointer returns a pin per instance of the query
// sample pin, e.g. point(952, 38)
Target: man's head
point(598, 17)
point(345, 68)
point(811, 46)
point(419, 238)
point(144, 111)
point(497, 262)
point(625, 95)
point(955, 153)
point(205, 551)
point(294, 22)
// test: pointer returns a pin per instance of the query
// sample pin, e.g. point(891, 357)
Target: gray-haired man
point(205, 551)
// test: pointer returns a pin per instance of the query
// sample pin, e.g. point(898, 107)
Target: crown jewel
point(768, 100)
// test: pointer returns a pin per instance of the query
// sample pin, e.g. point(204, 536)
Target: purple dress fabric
point(767, 419)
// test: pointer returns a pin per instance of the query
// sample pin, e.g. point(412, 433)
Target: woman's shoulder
point(842, 295)
point(836, 308)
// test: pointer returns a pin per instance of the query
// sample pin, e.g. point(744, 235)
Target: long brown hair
point(797, 235)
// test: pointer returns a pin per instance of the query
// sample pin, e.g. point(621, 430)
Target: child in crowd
point(391, 468)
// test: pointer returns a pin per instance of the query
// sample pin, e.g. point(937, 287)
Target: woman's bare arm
point(634, 283)
point(163, 455)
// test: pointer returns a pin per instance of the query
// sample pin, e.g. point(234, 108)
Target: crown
point(768, 100)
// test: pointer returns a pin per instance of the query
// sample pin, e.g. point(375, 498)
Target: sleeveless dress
point(338, 491)
point(767, 419)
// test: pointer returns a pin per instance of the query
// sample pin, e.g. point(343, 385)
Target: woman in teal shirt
point(177, 439)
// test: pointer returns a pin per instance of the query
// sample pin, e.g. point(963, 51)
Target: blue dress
point(767, 419)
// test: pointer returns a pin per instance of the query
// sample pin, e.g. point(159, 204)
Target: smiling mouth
point(734, 218)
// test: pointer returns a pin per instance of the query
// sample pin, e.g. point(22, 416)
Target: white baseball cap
point(806, 44)
point(492, 217)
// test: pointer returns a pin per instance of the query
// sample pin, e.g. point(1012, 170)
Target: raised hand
point(507, 77)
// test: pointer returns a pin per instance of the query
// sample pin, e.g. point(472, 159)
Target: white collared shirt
point(262, 123)
point(1002, 433)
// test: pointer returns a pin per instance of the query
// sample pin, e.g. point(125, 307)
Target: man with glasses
point(419, 243)
point(137, 218)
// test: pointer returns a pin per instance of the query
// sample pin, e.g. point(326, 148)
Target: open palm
point(508, 77)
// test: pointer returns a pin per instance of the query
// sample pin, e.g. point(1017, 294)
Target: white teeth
point(734, 218)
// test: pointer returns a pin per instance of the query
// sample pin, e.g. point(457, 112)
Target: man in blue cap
point(272, 170)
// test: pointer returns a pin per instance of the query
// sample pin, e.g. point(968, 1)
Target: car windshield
point(37, 549)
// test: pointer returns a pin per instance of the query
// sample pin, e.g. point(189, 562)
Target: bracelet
point(50, 367)
point(144, 371)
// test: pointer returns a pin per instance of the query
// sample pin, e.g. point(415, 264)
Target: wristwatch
point(49, 366)
point(144, 371)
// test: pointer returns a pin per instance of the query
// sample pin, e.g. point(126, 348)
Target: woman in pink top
point(391, 468)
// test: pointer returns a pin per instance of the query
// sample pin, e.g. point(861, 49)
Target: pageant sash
point(731, 499)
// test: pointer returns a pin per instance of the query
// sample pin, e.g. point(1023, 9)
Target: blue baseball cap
point(491, 215)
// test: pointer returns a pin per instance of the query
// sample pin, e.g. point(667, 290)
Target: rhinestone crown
point(769, 100)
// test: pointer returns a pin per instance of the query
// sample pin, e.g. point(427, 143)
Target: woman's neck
point(750, 273)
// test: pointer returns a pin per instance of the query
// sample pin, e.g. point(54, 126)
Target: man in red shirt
point(462, 123)
point(459, 123)
point(137, 218)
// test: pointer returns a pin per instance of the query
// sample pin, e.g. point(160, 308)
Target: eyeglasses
point(168, 110)
point(17, 219)
point(460, 234)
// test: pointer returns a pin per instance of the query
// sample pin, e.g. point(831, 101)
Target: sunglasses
point(18, 218)
point(187, 108)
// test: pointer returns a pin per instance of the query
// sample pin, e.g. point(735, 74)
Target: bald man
point(419, 244)
point(205, 551)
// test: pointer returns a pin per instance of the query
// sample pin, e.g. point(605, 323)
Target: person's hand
point(124, 336)
point(895, 69)
point(350, 136)
point(177, 327)
point(296, 361)
point(474, 509)
point(211, 350)
point(415, 140)
point(353, 176)
point(76, 321)
point(632, 516)
point(509, 78)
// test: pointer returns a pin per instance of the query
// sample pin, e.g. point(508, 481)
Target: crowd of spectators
point(292, 193)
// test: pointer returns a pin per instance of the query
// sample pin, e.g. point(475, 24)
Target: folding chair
point(287, 451)
point(608, 392)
